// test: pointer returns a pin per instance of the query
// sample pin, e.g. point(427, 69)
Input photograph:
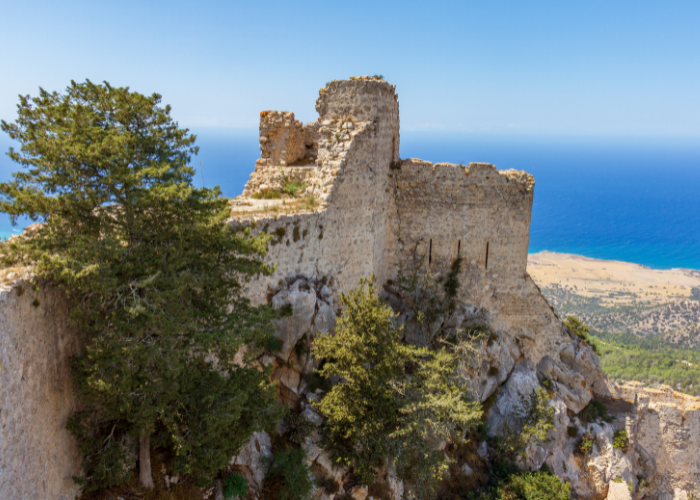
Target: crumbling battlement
point(374, 210)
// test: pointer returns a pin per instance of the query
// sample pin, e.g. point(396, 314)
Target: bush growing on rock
point(577, 327)
point(289, 476)
point(507, 482)
point(393, 401)
point(620, 440)
point(235, 486)
point(585, 445)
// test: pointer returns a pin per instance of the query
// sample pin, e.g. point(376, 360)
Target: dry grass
point(281, 207)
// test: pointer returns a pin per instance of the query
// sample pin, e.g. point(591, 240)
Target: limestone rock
point(522, 382)
point(312, 416)
point(618, 491)
point(359, 492)
point(325, 318)
point(288, 378)
point(252, 456)
point(291, 329)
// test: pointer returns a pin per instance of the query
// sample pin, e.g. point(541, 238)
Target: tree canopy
point(154, 273)
point(393, 401)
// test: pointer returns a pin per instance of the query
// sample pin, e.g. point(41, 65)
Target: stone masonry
point(359, 210)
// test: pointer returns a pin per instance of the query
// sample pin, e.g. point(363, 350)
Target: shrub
point(594, 411)
point(540, 485)
point(267, 194)
point(620, 440)
point(508, 483)
point(289, 476)
point(585, 445)
point(577, 327)
point(378, 411)
point(572, 431)
point(298, 427)
point(235, 486)
point(292, 188)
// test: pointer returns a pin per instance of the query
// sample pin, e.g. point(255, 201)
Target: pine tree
point(155, 276)
point(393, 402)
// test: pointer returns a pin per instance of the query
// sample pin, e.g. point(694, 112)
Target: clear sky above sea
point(556, 67)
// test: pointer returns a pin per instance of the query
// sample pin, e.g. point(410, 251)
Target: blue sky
point(536, 67)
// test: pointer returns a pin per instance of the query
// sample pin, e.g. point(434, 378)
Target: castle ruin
point(372, 210)
point(340, 205)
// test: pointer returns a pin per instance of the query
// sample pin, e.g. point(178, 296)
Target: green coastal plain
point(644, 322)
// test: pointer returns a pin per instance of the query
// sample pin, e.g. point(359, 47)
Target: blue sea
point(629, 199)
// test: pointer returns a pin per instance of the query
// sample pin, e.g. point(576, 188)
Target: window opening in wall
point(487, 255)
point(459, 247)
point(430, 252)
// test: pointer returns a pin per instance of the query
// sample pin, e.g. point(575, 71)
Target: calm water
point(636, 200)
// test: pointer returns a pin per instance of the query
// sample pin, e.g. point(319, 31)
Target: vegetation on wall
point(289, 476)
point(393, 401)
point(155, 277)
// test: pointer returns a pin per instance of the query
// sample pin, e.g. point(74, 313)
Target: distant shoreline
point(612, 282)
point(618, 261)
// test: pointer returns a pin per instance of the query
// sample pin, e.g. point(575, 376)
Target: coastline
point(613, 282)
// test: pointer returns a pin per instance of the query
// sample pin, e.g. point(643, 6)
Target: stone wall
point(38, 456)
point(346, 238)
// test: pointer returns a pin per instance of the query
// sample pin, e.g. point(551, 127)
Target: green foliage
point(595, 411)
point(576, 327)
point(107, 447)
point(431, 291)
point(506, 482)
point(153, 273)
point(267, 194)
point(293, 188)
point(298, 427)
point(651, 361)
point(540, 486)
point(289, 476)
point(235, 486)
point(547, 384)
point(585, 445)
point(393, 401)
point(620, 440)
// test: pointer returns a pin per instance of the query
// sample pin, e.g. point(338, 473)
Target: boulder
point(522, 382)
point(324, 321)
point(253, 457)
point(290, 329)
point(618, 491)
point(288, 378)
point(359, 492)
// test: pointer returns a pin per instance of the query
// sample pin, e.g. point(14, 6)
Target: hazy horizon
point(628, 68)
